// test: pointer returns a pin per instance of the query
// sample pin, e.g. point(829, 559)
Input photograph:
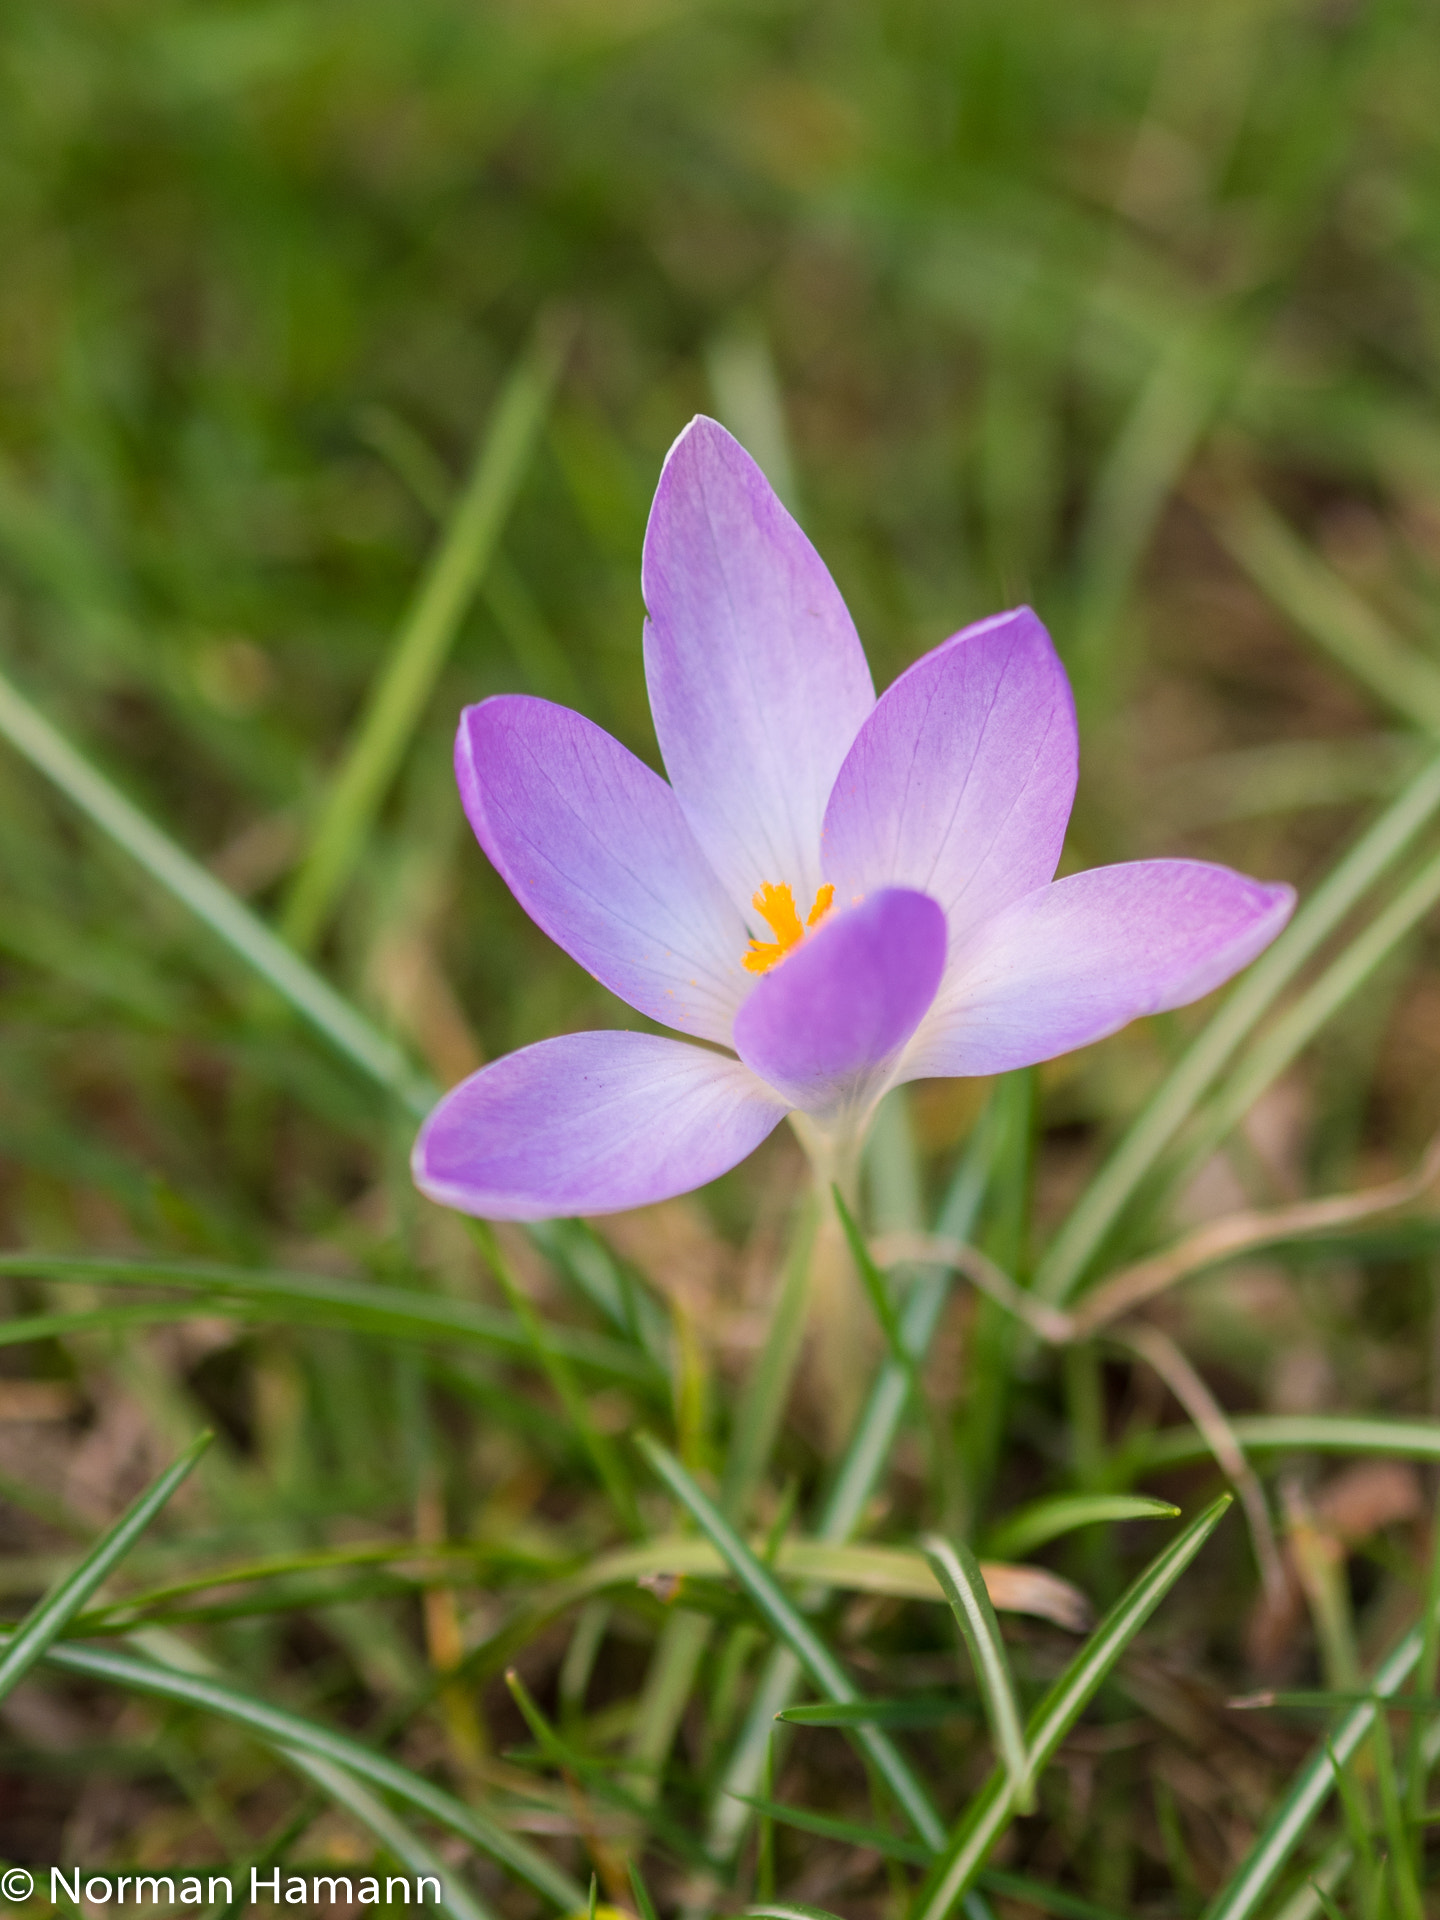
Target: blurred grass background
point(1127, 310)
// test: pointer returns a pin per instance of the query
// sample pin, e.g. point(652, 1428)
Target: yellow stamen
point(776, 907)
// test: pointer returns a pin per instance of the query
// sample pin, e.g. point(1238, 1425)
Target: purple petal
point(826, 1024)
point(960, 783)
point(590, 1123)
point(1077, 960)
point(595, 848)
point(757, 678)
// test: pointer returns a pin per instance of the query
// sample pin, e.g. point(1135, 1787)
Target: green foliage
point(340, 346)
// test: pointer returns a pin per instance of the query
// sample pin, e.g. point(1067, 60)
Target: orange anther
point(775, 905)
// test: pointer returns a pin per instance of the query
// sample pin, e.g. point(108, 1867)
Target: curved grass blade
point(1246, 1888)
point(790, 1910)
point(789, 1625)
point(360, 1305)
point(994, 1806)
point(50, 1616)
point(408, 1849)
point(1046, 1520)
point(958, 1572)
point(244, 932)
point(285, 1732)
point(426, 634)
point(1063, 1264)
point(1282, 1432)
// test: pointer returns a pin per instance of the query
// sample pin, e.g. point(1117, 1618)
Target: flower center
point(776, 907)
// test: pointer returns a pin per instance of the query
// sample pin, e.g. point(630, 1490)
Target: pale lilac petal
point(828, 1022)
point(595, 848)
point(591, 1123)
point(960, 783)
point(757, 678)
point(1077, 960)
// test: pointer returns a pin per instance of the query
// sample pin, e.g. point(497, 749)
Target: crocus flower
point(832, 893)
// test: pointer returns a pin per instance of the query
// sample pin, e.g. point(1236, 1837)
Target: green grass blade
point(790, 1910)
point(762, 1401)
point(58, 1326)
point(1019, 1886)
point(1416, 1770)
point(426, 635)
point(1326, 1699)
point(753, 1430)
point(595, 1271)
point(911, 1710)
point(750, 401)
point(50, 1616)
point(244, 932)
point(1326, 1902)
point(599, 1773)
point(1016, 1886)
point(1250, 1884)
point(958, 1572)
point(826, 1826)
point(994, 1806)
point(869, 1448)
point(876, 1286)
point(360, 1305)
point(556, 1367)
point(1064, 1262)
point(789, 1626)
point(1268, 1058)
point(1326, 608)
point(644, 1905)
point(288, 1731)
point(412, 1853)
point(855, 1481)
point(1357, 1825)
point(1284, 1432)
point(1045, 1520)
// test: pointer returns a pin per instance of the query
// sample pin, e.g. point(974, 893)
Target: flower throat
point(776, 907)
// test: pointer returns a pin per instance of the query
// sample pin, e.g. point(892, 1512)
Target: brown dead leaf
point(1367, 1496)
